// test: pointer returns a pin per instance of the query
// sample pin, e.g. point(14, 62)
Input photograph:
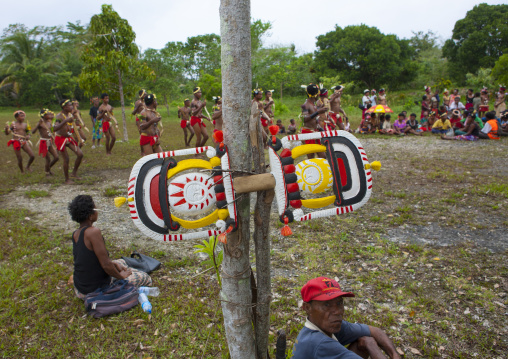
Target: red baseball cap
point(322, 289)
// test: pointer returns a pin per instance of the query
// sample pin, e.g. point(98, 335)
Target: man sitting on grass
point(442, 125)
point(326, 332)
point(492, 129)
point(93, 268)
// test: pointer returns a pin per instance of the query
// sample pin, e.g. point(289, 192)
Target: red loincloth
point(148, 140)
point(44, 146)
point(16, 144)
point(105, 126)
point(61, 142)
point(196, 120)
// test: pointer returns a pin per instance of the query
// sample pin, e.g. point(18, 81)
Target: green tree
point(432, 67)
point(500, 70)
point(478, 40)
point(281, 69)
point(364, 54)
point(111, 62)
point(483, 77)
point(168, 64)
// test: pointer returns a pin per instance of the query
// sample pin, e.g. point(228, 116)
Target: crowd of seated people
point(466, 118)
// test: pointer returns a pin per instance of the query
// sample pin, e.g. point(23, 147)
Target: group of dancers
point(59, 133)
point(66, 130)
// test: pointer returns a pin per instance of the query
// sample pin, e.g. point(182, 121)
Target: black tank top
point(88, 273)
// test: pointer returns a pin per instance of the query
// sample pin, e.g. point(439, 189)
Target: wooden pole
point(261, 236)
point(236, 82)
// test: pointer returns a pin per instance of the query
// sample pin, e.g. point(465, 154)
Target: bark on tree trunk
point(122, 103)
point(166, 103)
point(261, 239)
point(236, 83)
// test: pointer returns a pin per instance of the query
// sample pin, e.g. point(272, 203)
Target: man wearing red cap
point(326, 333)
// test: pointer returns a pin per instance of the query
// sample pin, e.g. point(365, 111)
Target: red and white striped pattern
point(326, 213)
point(185, 152)
point(192, 235)
point(228, 187)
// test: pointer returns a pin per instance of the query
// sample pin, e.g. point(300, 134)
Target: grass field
point(426, 257)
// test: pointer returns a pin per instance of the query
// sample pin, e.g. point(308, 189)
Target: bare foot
point(75, 176)
point(28, 169)
point(49, 174)
point(69, 181)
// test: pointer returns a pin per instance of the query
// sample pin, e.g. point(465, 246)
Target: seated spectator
point(366, 125)
point(374, 121)
point(400, 124)
point(93, 268)
point(456, 104)
point(282, 128)
point(326, 333)
point(347, 125)
point(470, 132)
point(292, 127)
point(412, 126)
point(433, 116)
point(492, 129)
point(424, 122)
point(504, 121)
point(475, 117)
point(442, 109)
point(456, 119)
point(386, 126)
point(442, 125)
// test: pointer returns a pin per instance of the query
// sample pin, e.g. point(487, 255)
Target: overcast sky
point(157, 22)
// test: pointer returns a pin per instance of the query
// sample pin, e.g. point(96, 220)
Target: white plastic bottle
point(150, 291)
point(145, 303)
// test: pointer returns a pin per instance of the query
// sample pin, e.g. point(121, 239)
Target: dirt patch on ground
point(417, 175)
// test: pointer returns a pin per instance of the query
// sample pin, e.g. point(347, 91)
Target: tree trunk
point(122, 104)
point(261, 239)
point(236, 83)
point(166, 103)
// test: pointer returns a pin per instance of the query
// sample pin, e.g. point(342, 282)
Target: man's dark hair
point(149, 99)
point(81, 208)
point(413, 114)
point(477, 94)
point(312, 90)
point(490, 115)
point(401, 114)
point(387, 117)
point(195, 89)
point(104, 95)
point(424, 97)
point(64, 101)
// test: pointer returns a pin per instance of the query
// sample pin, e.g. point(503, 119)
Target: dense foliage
point(478, 40)
point(40, 66)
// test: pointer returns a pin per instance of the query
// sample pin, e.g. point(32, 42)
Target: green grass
point(113, 192)
point(418, 299)
point(36, 193)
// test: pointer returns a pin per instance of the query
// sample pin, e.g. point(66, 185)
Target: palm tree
point(17, 51)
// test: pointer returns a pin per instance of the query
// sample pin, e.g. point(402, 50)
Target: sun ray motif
point(191, 194)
